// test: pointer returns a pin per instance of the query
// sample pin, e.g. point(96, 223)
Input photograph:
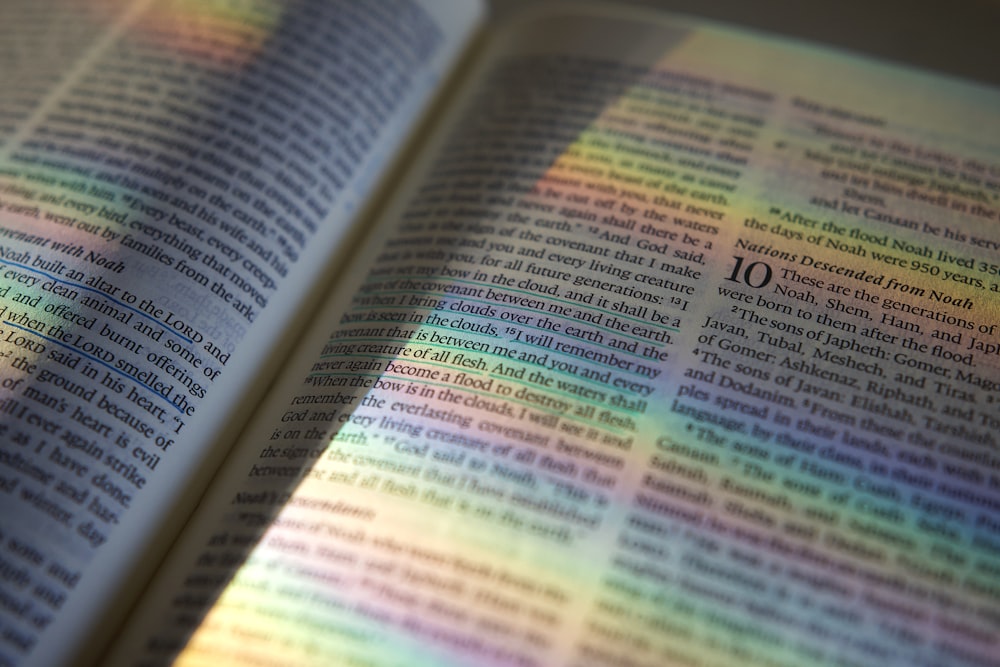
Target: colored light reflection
point(802, 536)
point(228, 33)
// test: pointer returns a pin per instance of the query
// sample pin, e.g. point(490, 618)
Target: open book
point(350, 333)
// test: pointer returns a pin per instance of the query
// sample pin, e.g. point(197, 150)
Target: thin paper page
point(680, 348)
point(173, 178)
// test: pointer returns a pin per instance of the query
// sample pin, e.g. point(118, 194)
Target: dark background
point(957, 37)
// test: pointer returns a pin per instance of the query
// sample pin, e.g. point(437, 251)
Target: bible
point(383, 333)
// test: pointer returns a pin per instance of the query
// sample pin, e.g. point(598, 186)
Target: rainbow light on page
point(354, 592)
point(71, 333)
point(228, 34)
point(872, 509)
point(73, 201)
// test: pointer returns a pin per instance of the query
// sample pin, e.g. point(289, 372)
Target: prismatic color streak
point(67, 196)
point(86, 191)
point(816, 532)
point(230, 34)
point(72, 202)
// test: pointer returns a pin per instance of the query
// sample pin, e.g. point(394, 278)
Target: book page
point(679, 349)
point(175, 179)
